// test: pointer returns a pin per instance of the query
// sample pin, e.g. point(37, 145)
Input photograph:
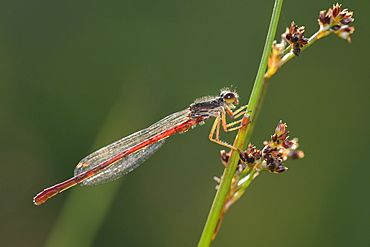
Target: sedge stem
point(244, 134)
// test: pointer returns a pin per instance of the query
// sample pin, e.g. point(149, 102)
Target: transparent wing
point(132, 160)
point(123, 166)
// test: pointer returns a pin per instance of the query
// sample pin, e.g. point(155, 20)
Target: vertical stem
point(255, 102)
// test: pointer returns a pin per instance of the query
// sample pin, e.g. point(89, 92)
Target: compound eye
point(229, 96)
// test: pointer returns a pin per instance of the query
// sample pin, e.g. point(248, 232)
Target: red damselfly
point(119, 158)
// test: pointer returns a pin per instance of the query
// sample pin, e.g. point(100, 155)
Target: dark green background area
point(77, 75)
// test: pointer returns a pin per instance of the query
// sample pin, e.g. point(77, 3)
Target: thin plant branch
point(244, 134)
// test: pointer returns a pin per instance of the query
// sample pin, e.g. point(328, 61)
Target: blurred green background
point(77, 75)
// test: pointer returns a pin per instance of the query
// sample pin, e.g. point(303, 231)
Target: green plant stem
point(253, 174)
point(244, 134)
point(291, 55)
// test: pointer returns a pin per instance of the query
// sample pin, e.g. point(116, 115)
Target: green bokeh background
point(77, 75)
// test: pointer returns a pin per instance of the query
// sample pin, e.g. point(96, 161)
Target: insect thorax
point(206, 109)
